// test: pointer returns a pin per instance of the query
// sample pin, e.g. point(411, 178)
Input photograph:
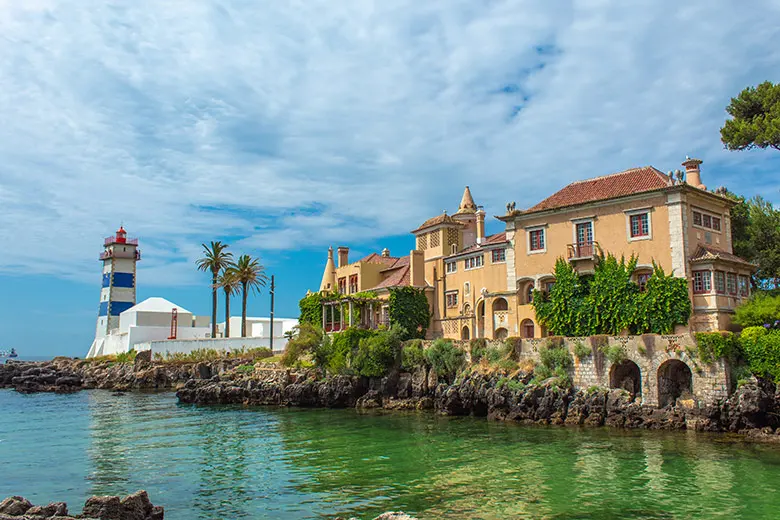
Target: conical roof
point(156, 304)
point(467, 202)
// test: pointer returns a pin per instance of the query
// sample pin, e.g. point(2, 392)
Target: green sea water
point(235, 462)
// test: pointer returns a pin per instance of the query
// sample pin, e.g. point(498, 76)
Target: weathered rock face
point(65, 375)
point(754, 407)
point(132, 507)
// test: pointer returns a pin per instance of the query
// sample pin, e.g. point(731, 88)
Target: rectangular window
point(353, 283)
point(452, 266)
point(641, 280)
point(702, 282)
point(720, 282)
point(744, 286)
point(715, 223)
point(696, 218)
point(499, 256)
point(585, 233)
point(731, 283)
point(640, 225)
point(452, 299)
point(473, 262)
point(537, 240)
point(706, 221)
point(343, 285)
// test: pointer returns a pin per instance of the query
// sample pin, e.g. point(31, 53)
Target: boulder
point(15, 506)
point(53, 509)
point(103, 508)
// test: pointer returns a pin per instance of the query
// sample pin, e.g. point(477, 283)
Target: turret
point(329, 276)
point(467, 215)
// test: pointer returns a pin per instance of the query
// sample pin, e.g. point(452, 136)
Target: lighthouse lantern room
point(117, 294)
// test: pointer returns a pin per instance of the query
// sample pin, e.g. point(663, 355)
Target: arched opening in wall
point(626, 375)
point(464, 333)
point(525, 291)
point(466, 309)
point(501, 333)
point(527, 328)
point(500, 304)
point(674, 381)
point(480, 332)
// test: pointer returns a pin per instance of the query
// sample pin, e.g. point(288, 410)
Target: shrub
point(511, 384)
point(245, 369)
point(514, 346)
point(126, 357)
point(337, 357)
point(307, 338)
point(664, 304)
point(445, 358)
point(761, 348)
point(581, 351)
point(412, 355)
point(408, 307)
point(712, 346)
point(761, 309)
point(377, 354)
point(554, 357)
point(615, 353)
point(497, 353)
point(477, 349)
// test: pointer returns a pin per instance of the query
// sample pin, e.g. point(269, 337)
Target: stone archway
point(500, 304)
point(627, 376)
point(501, 333)
point(480, 332)
point(674, 381)
point(464, 333)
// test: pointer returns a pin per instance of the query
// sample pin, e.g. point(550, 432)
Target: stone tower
point(329, 276)
point(467, 215)
point(118, 291)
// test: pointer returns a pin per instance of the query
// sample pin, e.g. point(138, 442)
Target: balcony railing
point(107, 254)
point(582, 251)
point(112, 240)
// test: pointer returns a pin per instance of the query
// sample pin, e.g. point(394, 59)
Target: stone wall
point(666, 365)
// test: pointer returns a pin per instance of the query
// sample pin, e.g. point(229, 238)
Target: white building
point(151, 320)
point(260, 328)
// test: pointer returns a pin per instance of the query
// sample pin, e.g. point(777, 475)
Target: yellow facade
point(480, 286)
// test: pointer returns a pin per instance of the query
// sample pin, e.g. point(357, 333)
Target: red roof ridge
point(623, 172)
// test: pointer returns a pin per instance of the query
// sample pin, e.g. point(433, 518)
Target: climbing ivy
point(609, 302)
point(408, 307)
point(311, 305)
point(311, 309)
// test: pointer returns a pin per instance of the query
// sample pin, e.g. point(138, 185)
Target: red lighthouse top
point(121, 235)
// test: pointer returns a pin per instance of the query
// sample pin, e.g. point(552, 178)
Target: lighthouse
point(117, 294)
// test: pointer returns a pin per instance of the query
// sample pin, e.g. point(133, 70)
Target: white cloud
point(287, 125)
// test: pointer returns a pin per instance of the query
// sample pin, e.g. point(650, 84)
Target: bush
point(126, 357)
point(337, 357)
point(245, 369)
point(445, 358)
point(514, 347)
point(761, 348)
point(615, 354)
point(581, 351)
point(307, 338)
point(408, 307)
point(477, 349)
point(761, 309)
point(378, 354)
point(712, 346)
point(554, 357)
point(412, 355)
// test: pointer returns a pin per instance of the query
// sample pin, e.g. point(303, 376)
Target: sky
point(284, 127)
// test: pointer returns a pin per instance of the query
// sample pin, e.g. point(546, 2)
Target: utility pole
point(272, 314)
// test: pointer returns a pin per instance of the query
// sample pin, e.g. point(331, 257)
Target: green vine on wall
point(408, 307)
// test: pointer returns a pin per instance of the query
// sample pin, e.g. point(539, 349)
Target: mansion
point(480, 286)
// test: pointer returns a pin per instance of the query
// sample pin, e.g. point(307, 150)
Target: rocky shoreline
point(132, 507)
point(67, 375)
point(753, 410)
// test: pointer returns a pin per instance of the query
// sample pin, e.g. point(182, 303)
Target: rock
point(372, 399)
point(103, 508)
point(53, 509)
point(392, 515)
point(15, 506)
point(136, 506)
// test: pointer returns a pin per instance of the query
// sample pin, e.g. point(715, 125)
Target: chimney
point(416, 268)
point(343, 256)
point(385, 252)
point(480, 225)
point(692, 173)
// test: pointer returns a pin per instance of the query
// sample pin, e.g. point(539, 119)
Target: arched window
point(467, 309)
point(464, 333)
point(466, 289)
point(453, 248)
point(501, 333)
point(527, 328)
point(500, 304)
point(529, 293)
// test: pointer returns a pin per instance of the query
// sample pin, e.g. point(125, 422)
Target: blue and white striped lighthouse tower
point(118, 293)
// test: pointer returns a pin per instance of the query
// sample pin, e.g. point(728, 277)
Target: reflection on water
point(232, 462)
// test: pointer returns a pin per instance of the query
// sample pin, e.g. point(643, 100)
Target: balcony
point(105, 255)
point(113, 240)
point(585, 251)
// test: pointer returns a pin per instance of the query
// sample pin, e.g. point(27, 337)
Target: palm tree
point(215, 259)
point(252, 276)
point(228, 282)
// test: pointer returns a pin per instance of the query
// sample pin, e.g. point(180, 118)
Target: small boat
point(8, 353)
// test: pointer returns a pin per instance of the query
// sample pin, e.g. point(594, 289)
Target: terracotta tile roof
point(491, 240)
point(435, 221)
point(398, 278)
point(399, 262)
point(628, 182)
point(379, 259)
point(704, 254)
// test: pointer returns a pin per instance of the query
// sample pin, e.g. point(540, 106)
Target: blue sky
point(284, 127)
